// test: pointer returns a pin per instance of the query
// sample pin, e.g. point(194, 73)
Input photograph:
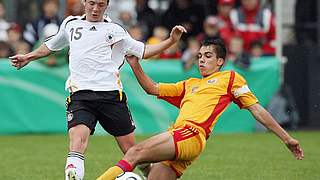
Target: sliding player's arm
point(144, 80)
point(265, 118)
point(245, 99)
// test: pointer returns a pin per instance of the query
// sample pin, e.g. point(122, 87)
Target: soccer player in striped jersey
point(97, 52)
point(201, 102)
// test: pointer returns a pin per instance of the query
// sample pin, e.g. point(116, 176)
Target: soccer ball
point(128, 176)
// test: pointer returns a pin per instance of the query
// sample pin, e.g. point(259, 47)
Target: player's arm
point(54, 43)
point(21, 60)
point(265, 118)
point(144, 80)
point(155, 49)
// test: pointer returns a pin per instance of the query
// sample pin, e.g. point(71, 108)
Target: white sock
point(75, 160)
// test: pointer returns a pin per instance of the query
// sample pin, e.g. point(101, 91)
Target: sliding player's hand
point(294, 146)
point(132, 60)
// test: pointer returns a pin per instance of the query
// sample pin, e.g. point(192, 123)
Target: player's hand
point(132, 60)
point(177, 32)
point(294, 146)
point(19, 61)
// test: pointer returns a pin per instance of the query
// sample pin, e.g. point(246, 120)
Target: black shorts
point(88, 107)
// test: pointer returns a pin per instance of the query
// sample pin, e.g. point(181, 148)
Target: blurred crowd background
point(248, 28)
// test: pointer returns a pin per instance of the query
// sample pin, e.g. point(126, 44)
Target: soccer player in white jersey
point(97, 51)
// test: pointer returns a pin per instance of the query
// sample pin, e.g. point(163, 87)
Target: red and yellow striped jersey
point(201, 101)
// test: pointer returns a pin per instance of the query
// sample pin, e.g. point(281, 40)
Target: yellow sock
point(111, 173)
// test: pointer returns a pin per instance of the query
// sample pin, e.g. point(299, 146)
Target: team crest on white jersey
point(110, 38)
point(212, 81)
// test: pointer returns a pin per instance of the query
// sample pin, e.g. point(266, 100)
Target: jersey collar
point(106, 18)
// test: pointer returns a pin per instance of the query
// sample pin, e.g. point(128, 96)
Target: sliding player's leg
point(155, 149)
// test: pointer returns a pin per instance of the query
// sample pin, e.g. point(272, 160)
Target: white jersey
point(97, 51)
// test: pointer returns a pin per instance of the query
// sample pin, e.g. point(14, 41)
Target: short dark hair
point(107, 1)
point(219, 47)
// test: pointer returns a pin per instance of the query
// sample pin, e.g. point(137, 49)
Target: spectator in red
point(15, 39)
point(252, 22)
point(14, 33)
point(225, 25)
point(74, 8)
point(172, 53)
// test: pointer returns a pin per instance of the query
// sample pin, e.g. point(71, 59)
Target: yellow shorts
point(189, 143)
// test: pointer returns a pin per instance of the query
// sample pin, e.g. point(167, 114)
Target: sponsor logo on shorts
point(132, 123)
point(69, 116)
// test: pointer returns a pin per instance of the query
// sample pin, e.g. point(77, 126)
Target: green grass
point(259, 156)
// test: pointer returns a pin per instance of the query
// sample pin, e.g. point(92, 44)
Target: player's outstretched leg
point(157, 148)
point(121, 167)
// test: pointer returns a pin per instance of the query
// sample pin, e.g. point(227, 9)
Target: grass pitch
point(258, 156)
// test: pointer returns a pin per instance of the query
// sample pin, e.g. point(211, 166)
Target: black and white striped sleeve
point(59, 40)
